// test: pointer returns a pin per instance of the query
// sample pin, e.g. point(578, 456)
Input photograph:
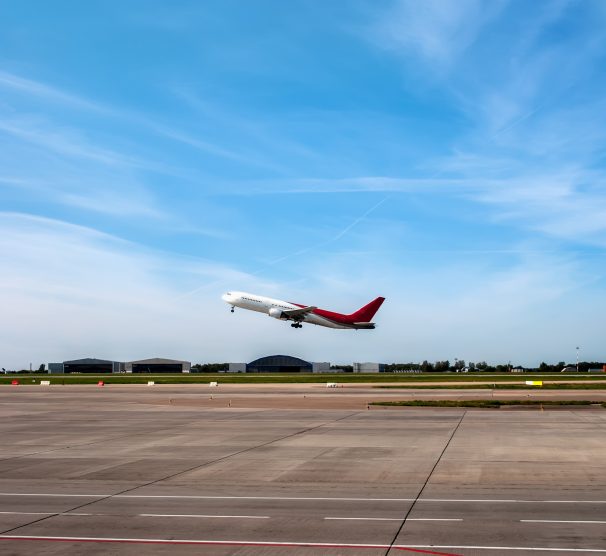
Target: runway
point(93, 470)
point(291, 396)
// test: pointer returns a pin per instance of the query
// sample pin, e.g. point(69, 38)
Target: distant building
point(157, 365)
point(279, 364)
point(237, 368)
point(88, 365)
point(55, 368)
point(368, 367)
point(104, 366)
point(321, 367)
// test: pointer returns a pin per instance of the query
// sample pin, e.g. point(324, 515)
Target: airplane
point(284, 310)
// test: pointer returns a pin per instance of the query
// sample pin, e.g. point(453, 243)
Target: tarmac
point(158, 470)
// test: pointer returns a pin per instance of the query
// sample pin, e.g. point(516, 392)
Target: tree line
point(425, 367)
point(460, 366)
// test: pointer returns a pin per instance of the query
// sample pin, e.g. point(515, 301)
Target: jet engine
point(276, 313)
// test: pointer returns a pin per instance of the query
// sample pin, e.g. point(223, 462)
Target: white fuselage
point(272, 307)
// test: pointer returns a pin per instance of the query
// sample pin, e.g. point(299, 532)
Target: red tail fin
point(366, 313)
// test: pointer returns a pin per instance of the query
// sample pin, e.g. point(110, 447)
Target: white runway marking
point(27, 513)
point(510, 548)
point(205, 497)
point(510, 501)
point(364, 518)
point(81, 514)
point(434, 519)
point(559, 521)
point(300, 544)
point(57, 495)
point(189, 541)
point(311, 498)
point(330, 518)
point(200, 515)
point(285, 498)
point(393, 519)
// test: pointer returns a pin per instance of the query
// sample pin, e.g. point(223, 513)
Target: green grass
point(110, 379)
point(587, 385)
point(485, 404)
point(299, 378)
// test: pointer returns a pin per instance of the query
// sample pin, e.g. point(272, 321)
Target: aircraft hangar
point(90, 365)
point(158, 365)
point(279, 364)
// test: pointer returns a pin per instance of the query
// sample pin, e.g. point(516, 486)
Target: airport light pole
point(577, 359)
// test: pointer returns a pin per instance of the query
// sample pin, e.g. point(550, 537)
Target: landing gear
point(296, 325)
point(232, 310)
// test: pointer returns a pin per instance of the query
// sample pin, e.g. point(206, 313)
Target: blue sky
point(447, 155)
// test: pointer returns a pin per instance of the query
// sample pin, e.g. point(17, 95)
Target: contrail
point(337, 237)
point(358, 220)
point(342, 233)
point(348, 228)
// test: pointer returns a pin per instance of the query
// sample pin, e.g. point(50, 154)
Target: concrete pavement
point(96, 471)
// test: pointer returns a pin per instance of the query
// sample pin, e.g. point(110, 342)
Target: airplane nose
point(226, 297)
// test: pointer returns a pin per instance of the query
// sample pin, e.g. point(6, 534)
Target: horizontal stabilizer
point(368, 325)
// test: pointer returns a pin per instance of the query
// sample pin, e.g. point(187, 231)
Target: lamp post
point(577, 359)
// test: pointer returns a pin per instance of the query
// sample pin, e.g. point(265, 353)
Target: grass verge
point(588, 385)
point(296, 378)
point(485, 404)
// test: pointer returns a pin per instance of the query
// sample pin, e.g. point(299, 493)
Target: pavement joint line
point(42, 452)
point(172, 475)
point(395, 538)
point(138, 433)
point(421, 548)
point(304, 498)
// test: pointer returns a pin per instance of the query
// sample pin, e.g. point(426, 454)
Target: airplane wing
point(298, 314)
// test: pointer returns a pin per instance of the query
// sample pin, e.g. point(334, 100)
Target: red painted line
point(222, 543)
point(420, 551)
